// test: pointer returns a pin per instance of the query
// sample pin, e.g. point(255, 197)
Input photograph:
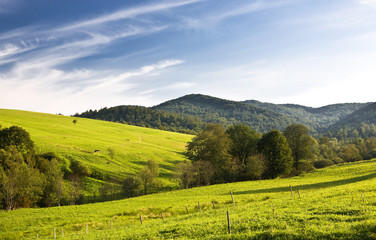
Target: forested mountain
point(225, 112)
point(147, 117)
point(317, 119)
point(190, 113)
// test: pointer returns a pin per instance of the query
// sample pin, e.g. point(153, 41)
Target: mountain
point(365, 115)
point(317, 119)
point(226, 112)
point(190, 113)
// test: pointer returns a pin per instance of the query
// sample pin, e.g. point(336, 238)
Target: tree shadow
point(309, 186)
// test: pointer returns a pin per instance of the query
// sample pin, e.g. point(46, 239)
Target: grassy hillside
point(334, 203)
point(133, 146)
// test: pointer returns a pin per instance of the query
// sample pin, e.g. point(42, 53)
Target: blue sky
point(70, 56)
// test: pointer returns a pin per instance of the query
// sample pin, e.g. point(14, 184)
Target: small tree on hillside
point(148, 175)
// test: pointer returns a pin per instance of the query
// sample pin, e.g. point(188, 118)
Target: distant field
point(335, 203)
point(133, 146)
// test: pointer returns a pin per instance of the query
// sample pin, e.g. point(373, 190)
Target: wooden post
point(362, 197)
point(37, 237)
point(298, 193)
point(186, 208)
point(86, 229)
point(54, 233)
point(228, 222)
point(199, 207)
point(213, 204)
point(233, 201)
point(162, 216)
point(62, 232)
point(291, 191)
point(140, 219)
point(111, 223)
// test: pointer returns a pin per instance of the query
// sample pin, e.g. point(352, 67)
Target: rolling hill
point(190, 113)
point(338, 202)
point(88, 141)
point(366, 115)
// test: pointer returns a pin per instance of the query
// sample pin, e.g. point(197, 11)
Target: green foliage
point(300, 142)
point(243, 142)
point(273, 145)
point(148, 175)
point(130, 186)
point(323, 163)
point(335, 203)
point(211, 145)
point(79, 169)
point(225, 112)
point(133, 146)
point(147, 117)
point(16, 136)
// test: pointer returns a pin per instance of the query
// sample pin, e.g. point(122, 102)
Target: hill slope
point(88, 141)
point(216, 110)
point(318, 119)
point(332, 203)
point(365, 115)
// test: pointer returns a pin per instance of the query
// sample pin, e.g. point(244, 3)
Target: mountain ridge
point(203, 109)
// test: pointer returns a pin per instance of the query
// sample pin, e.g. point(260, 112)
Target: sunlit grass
point(335, 203)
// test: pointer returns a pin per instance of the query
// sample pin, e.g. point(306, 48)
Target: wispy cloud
point(371, 3)
point(243, 8)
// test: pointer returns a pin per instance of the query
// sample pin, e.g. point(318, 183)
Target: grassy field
point(334, 203)
point(133, 146)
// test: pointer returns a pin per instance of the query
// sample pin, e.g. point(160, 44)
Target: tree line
point(239, 153)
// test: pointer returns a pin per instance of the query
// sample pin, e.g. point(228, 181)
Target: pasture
point(338, 202)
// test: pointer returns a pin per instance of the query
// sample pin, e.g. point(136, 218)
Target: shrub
point(322, 163)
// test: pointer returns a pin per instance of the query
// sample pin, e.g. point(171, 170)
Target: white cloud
point(371, 3)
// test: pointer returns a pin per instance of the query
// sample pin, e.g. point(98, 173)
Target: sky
point(69, 56)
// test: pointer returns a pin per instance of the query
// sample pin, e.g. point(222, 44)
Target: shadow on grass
point(310, 186)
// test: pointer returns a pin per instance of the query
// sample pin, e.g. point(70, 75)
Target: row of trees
point(239, 153)
point(30, 179)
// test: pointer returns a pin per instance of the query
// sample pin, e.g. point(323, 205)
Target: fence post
point(291, 191)
point(199, 207)
point(62, 232)
point(86, 229)
point(140, 219)
point(228, 222)
point(111, 223)
point(233, 201)
point(54, 233)
point(213, 205)
point(186, 208)
point(299, 193)
point(162, 216)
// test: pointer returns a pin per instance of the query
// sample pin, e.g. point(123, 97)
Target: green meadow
point(133, 146)
point(338, 202)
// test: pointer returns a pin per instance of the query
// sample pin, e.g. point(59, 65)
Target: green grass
point(335, 203)
point(133, 146)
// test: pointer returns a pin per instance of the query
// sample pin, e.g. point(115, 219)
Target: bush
point(337, 160)
point(305, 166)
point(323, 163)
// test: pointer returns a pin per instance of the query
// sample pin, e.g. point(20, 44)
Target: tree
point(75, 189)
point(74, 121)
point(273, 145)
point(111, 152)
point(255, 167)
point(130, 186)
point(300, 142)
point(211, 145)
point(148, 175)
point(18, 137)
point(243, 142)
point(184, 172)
